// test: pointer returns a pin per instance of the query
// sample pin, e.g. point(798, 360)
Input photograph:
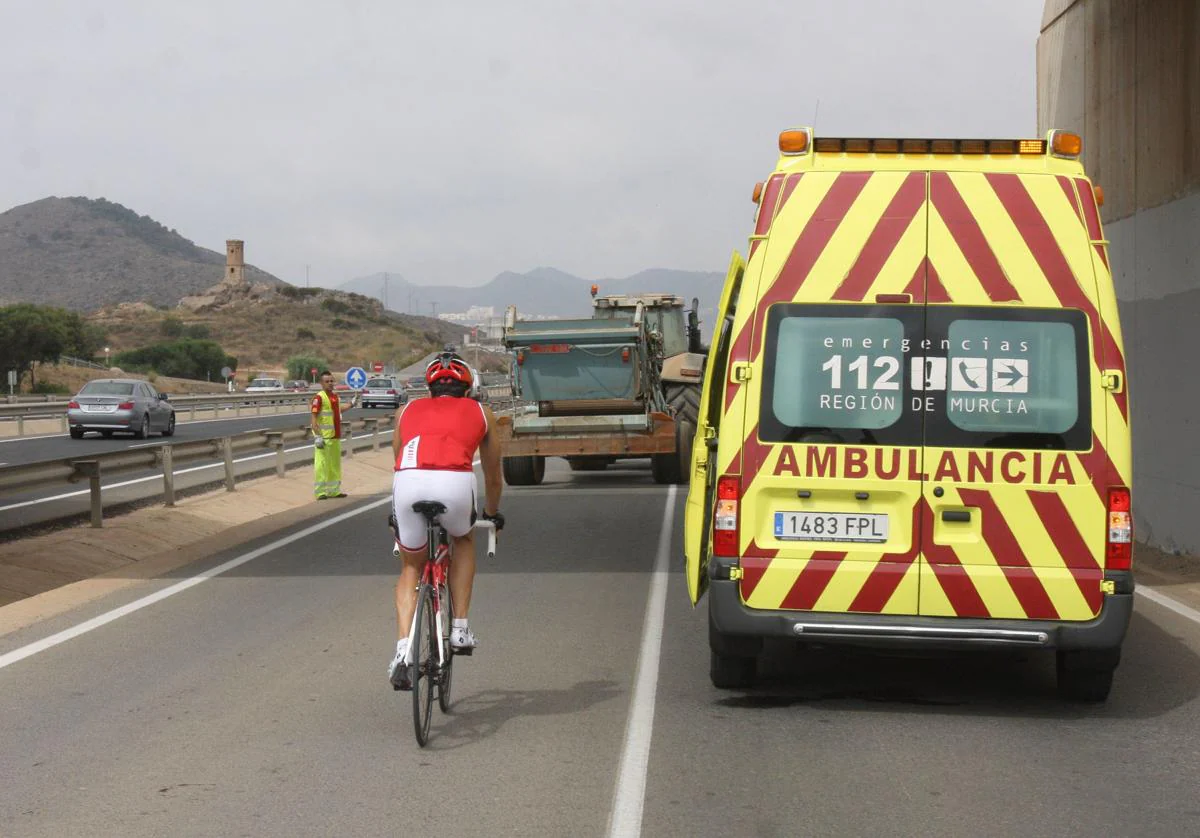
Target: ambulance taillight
point(1118, 554)
point(726, 517)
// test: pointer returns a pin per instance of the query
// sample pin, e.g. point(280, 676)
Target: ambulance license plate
point(831, 526)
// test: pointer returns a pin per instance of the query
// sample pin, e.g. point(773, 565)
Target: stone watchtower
point(235, 262)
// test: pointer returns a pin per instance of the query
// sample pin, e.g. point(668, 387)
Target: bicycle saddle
point(429, 508)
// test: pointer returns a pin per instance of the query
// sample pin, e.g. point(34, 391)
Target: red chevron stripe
point(754, 563)
point(943, 561)
point(789, 186)
point(766, 211)
point(812, 581)
point(807, 249)
point(1069, 191)
point(1063, 532)
point(900, 212)
point(1091, 215)
point(969, 237)
point(1032, 226)
point(927, 285)
point(1100, 469)
point(886, 577)
point(1083, 565)
point(1012, 560)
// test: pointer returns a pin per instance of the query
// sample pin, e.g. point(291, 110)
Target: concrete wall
point(1126, 74)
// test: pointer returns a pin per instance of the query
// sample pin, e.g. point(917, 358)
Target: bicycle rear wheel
point(447, 612)
point(424, 658)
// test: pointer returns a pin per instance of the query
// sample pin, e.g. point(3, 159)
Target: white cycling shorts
point(455, 489)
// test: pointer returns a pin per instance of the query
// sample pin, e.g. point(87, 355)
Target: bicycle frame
point(436, 571)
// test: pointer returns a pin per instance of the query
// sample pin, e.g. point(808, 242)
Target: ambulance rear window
point(946, 376)
point(1014, 378)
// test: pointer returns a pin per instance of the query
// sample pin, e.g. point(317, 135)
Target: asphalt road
point(256, 704)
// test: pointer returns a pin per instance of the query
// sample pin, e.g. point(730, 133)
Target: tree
point(186, 358)
point(31, 334)
point(301, 366)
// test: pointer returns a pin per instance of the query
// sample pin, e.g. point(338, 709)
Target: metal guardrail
point(164, 458)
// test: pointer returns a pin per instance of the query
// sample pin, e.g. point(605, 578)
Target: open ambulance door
point(697, 516)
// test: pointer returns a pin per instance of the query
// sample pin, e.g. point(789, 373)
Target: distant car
point(108, 405)
point(266, 385)
point(385, 390)
point(298, 386)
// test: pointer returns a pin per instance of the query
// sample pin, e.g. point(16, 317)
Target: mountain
point(82, 254)
point(542, 291)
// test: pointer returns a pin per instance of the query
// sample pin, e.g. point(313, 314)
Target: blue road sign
point(356, 377)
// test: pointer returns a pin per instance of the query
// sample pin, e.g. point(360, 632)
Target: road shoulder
point(46, 575)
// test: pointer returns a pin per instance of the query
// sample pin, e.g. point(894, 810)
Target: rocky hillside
point(264, 325)
point(84, 254)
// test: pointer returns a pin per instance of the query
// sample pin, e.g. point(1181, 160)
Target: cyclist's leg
point(411, 528)
point(462, 574)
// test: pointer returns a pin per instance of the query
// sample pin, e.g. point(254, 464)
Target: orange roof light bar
point(794, 141)
point(887, 145)
point(1065, 144)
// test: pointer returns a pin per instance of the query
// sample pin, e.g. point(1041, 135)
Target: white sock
point(458, 623)
point(401, 645)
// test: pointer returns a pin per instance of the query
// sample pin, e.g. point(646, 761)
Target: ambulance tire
point(731, 672)
point(733, 661)
point(524, 471)
point(1086, 675)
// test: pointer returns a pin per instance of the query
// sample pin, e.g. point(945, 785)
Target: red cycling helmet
point(448, 367)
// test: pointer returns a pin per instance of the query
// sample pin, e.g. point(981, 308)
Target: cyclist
point(434, 444)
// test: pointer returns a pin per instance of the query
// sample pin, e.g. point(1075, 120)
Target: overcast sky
point(450, 141)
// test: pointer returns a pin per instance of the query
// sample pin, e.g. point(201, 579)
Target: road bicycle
point(429, 657)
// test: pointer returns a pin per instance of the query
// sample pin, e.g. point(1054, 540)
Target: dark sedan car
point(120, 404)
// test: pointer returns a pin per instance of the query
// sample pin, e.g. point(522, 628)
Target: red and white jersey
point(441, 433)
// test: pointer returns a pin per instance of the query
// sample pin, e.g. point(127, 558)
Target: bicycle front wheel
point(446, 608)
point(425, 663)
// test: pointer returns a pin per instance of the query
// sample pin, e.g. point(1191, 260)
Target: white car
point(265, 385)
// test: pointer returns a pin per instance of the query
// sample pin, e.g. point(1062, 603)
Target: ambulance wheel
point(1086, 675)
point(730, 672)
point(524, 471)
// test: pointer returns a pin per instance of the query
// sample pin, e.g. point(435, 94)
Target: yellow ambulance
point(914, 429)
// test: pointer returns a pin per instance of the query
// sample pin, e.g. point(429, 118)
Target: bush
point(335, 306)
point(305, 334)
point(339, 323)
point(51, 389)
point(184, 358)
point(171, 327)
point(198, 331)
point(301, 366)
point(294, 293)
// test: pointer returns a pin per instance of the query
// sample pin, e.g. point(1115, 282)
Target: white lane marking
point(31, 438)
point(630, 796)
point(1169, 603)
point(96, 622)
point(137, 480)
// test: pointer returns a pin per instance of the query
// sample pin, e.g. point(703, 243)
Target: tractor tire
point(676, 466)
point(684, 400)
point(524, 471)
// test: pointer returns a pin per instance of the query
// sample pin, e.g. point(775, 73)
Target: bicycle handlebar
point(482, 524)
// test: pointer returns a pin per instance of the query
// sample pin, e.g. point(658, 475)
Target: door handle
point(959, 515)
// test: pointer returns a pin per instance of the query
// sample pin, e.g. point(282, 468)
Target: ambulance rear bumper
point(731, 619)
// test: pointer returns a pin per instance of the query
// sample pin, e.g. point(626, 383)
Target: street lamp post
point(106, 356)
